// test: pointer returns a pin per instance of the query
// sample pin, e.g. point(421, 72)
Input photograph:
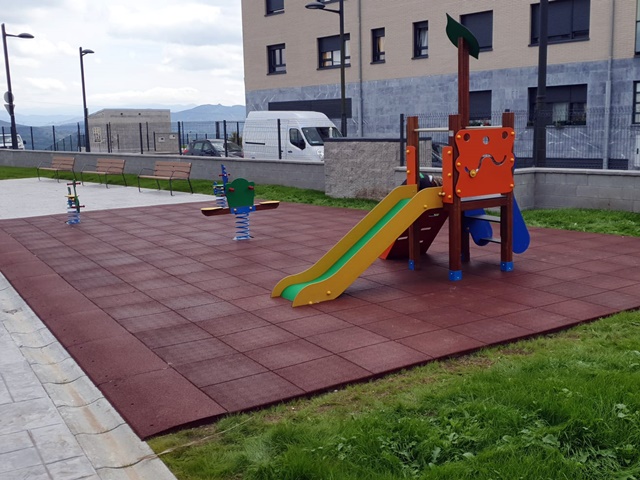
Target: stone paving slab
point(51, 427)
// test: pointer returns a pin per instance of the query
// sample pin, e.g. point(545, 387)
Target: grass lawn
point(561, 406)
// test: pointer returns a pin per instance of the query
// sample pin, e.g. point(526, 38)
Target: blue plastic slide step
point(488, 218)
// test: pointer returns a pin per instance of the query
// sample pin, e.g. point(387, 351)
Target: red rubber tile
point(258, 338)
point(442, 343)
point(203, 303)
point(287, 354)
point(155, 320)
point(385, 357)
point(255, 391)
point(323, 373)
point(346, 339)
point(365, 314)
point(209, 311)
point(86, 326)
point(163, 337)
point(113, 358)
point(579, 309)
point(176, 402)
point(492, 331)
point(220, 369)
point(221, 326)
point(538, 322)
point(400, 327)
point(314, 325)
point(284, 313)
point(194, 351)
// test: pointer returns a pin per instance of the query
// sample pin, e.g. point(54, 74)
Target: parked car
point(5, 141)
point(213, 147)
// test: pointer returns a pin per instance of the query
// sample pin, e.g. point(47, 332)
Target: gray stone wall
point(371, 170)
point(267, 172)
point(360, 169)
point(377, 105)
point(610, 190)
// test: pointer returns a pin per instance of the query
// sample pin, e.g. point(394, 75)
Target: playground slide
point(352, 255)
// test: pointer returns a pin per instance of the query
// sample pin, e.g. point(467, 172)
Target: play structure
point(219, 188)
point(73, 204)
point(237, 198)
point(477, 174)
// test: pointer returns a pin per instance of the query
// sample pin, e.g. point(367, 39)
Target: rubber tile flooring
point(173, 320)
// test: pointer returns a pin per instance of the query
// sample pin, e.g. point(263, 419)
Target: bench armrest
point(143, 169)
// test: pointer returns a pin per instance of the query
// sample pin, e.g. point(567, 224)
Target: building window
point(329, 51)
point(568, 21)
point(377, 42)
point(638, 28)
point(275, 6)
point(481, 25)
point(276, 59)
point(564, 105)
point(480, 107)
point(420, 39)
point(636, 102)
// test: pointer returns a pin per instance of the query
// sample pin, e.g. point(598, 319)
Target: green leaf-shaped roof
point(456, 30)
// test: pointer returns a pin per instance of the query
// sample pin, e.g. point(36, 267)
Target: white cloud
point(146, 52)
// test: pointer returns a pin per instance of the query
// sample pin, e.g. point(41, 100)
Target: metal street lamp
point(8, 97)
point(343, 99)
point(87, 144)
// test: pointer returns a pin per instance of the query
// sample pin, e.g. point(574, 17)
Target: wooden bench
point(105, 167)
point(164, 170)
point(58, 164)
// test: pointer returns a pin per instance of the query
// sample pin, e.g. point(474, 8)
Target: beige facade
point(593, 69)
point(132, 130)
point(612, 23)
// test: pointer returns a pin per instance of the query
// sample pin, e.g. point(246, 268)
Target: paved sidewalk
point(54, 423)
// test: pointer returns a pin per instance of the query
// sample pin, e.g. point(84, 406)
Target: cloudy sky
point(148, 53)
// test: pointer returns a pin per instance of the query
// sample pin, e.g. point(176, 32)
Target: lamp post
point(8, 97)
point(343, 100)
point(87, 144)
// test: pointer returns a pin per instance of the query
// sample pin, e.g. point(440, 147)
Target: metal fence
point(598, 139)
point(127, 137)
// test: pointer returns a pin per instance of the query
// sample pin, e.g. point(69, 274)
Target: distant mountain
point(44, 120)
point(211, 113)
point(179, 113)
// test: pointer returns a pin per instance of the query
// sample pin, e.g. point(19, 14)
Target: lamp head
point(24, 35)
point(315, 6)
point(86, 51)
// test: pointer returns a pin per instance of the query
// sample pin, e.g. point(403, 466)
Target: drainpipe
point(607, 92)
point(360, 99)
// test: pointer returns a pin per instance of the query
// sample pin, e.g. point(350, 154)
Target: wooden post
point(413, 178)
point(455, 208)
point(506, 211)
point(463, 81)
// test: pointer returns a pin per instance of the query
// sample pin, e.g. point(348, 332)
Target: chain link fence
point(143, 137)
point(596, 139)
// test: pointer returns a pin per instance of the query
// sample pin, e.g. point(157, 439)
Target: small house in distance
point(132, 130)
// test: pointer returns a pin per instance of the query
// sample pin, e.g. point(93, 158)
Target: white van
point(302, 135)
point(5, 141)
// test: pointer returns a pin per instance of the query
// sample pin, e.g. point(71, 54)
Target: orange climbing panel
point(485, 161)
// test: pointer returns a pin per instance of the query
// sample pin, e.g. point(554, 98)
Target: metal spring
point(73, 215)
point(221, 199)
point(242, 226)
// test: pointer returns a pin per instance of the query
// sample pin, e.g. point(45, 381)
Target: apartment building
point(400, 61)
